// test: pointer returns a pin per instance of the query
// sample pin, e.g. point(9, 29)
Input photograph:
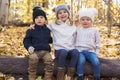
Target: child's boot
point(96, 78)
point(61, 74)
point(80, 78)
point(70, 74)
point(32, 75)
point(48, 75)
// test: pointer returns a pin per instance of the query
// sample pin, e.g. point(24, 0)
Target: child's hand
point(31, 49)
point(32, 26)
point(76, 20)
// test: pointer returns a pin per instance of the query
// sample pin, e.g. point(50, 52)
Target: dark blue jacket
point(39, 38)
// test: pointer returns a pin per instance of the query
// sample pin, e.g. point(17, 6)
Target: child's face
point(63, 15)
point(40, 20)
point(86, 22)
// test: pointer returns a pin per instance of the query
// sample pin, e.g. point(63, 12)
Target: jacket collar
point(39, 27)
point(61, 22)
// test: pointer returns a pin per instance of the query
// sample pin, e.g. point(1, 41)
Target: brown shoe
point(61, 74)
point(48, 75)
point(70, 74)
point(32, 75)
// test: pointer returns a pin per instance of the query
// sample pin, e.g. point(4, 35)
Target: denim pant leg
point(74, 54)
point(81, 63)
point(92, 57)
point(61, 56)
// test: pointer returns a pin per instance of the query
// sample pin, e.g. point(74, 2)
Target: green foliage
point(39, 78)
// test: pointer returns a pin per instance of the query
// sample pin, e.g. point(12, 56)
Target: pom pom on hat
point(88, 12)
point(37, 11)
point(37, 7)
point(62, 6)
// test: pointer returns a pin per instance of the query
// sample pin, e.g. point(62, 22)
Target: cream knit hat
point(88, 12)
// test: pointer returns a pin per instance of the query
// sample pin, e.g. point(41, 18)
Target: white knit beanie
point(88, 12)
point(61, 6)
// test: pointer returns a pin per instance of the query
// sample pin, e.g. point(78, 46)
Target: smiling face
point(40, 20)
point(86, 22)
point(63, 15)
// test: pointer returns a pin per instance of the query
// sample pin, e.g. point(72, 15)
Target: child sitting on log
point(37, 43)
point(88, 43)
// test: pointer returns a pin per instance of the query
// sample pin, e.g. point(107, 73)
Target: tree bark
point(109, 20)
point(19, 65)
point(4, 9)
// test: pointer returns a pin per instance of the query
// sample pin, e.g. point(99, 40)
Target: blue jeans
point(92, 58)
point(62, 55)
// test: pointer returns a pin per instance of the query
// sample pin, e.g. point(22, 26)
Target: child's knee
point(33, 59)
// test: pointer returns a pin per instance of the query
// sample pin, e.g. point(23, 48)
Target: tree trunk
point(0, 4)
point(4, 8)
point(109, 21)
point(19, 65)
point(71, 9)
point(28, 7)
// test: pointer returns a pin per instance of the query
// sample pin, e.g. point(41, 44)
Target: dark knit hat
point(37, 11)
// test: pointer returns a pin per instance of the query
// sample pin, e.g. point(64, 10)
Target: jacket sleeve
point(27, 39)
point(50, 25)
point(97, 41)
point(75, 37)
point(50, 39)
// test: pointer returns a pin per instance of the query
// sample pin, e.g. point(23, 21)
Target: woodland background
point(16, 16)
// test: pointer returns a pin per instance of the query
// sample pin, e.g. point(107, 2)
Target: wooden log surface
point(19, 65)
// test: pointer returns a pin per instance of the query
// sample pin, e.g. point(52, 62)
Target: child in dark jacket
point(37, 43)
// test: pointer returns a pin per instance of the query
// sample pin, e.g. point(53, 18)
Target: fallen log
point(19, 65)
